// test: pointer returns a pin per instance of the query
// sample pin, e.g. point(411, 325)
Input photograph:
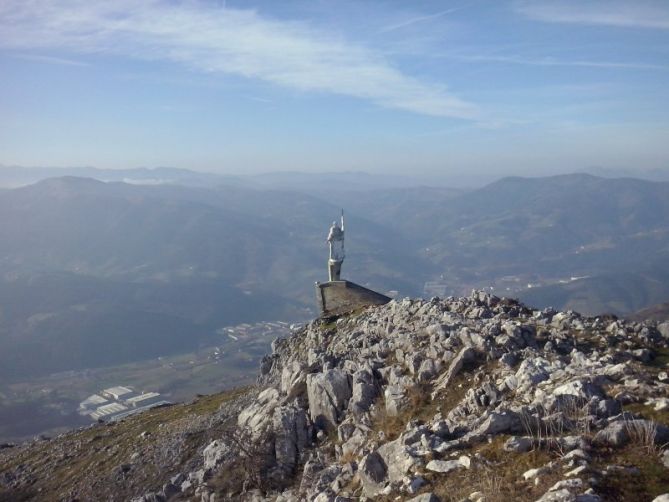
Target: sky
point(466, 86)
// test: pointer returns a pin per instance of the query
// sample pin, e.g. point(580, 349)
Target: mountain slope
point(198, 258)
point(659, 312)
point(440, 400)
point(145, 271)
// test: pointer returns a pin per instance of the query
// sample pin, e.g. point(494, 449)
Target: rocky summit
point(464, 399)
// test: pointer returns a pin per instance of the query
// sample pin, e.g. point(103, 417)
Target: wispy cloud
point(630, 13)
point(417, 19)
point(549, 61)
point(223, 40)
point(49, 59)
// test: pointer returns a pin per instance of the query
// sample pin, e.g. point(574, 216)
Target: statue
point(336, 241)
point(337, 296)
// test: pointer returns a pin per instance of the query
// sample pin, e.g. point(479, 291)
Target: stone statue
point(336, 241)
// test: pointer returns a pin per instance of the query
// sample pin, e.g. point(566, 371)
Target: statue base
point(334, 270)
point(339, 297)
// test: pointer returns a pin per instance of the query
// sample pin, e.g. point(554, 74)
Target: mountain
point(95, 273)
point(245, 237)
point(659, 312)
point(616, 293)
point(544, 232)
point(322, 183)
point(655, 174)
point(565, 225)
point(189, 259)
point(14, 176)
point(473, 398)
point(569, 225)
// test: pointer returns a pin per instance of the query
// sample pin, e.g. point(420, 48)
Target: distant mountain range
point(322, 182)
point(95, 273)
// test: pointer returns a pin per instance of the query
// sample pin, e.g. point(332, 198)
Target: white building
point(107, 411)
point(118, 393)
point(91, 403)
point(116, 403)
point(143, 400)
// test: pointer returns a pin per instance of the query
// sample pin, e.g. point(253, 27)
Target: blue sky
point(489, 86)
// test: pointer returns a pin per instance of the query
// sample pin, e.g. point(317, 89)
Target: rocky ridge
point(478, 398)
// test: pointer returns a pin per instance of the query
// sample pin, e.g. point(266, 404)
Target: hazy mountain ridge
point(205, 255)
point(164, 265)
point(541, 231)
point(15, 176)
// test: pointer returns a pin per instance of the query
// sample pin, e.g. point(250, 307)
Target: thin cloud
point(214, 39)
point(49, 59)
point(548, 61)
point(637, 14)
point(418, 19)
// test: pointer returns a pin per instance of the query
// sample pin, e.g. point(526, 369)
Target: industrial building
point(116, 403)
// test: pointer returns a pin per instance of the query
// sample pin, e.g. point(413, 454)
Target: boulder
point(293, 380)
point(531, 372)
point(428, 369)
point(580, 388)
point(621, 432)
point(373, 473)
point(215, 453)
point(256, 417)
point(519, 444)
point(497, 423)
point(291, 436)
point(396, 398)
point(398, 458)
point(365, 390)
point(466, 355)
point(444, 466)
point(328, 393)
point(663, 328)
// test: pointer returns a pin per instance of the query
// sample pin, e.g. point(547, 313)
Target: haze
point(430, 88)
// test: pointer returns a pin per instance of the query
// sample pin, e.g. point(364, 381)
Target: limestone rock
point(466, 355)
point(215, 453)
point(365, 390)
point(328, 394)
point(291, 436)
point(257, 416)
point(444, 466)
point(373, 473)
point(519, 444)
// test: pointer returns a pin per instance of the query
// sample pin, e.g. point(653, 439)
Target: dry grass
point(570, 417)
point(642, 434)
point(498, 476)
point(648, 412)
point(95, 452)
point(421, 407)
point(651, 480)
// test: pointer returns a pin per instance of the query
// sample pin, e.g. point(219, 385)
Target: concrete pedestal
point(338, 297)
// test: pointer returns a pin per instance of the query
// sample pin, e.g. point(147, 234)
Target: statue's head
point(334, 224)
